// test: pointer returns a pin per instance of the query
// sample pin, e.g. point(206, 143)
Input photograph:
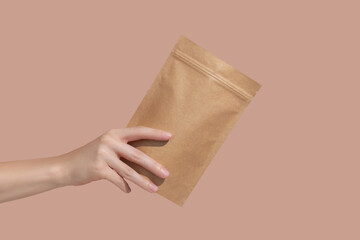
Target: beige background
point(288, 170)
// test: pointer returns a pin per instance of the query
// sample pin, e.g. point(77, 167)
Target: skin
point(97, 160)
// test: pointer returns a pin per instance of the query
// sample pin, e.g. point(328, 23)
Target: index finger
point(141, 132)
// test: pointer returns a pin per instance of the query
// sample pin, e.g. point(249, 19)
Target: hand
point(100, 159)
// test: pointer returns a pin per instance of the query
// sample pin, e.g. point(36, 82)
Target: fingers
point(135, 155)
point(117, 180)
point(141, 132)
point(127, 172)
point(116, 141)
point(130, 174)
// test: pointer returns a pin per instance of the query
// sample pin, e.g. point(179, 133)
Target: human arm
point(99, 159)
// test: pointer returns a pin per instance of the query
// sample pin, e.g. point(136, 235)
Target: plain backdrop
point(70, 70)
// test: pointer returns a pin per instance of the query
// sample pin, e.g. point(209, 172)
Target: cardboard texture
point(198, 98)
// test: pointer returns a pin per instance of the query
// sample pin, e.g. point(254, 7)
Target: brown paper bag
point(198, 98)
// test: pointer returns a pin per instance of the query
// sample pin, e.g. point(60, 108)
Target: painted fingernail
point(167, 134)
point(153, 187)
point(164, 171)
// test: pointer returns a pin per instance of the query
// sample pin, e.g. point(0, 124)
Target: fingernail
point(153, 187)
point(164, 171)
point(167, 134)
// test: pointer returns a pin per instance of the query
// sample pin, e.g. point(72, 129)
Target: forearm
point(22, 178)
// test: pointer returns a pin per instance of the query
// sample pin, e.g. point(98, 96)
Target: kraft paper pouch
point(198, 98)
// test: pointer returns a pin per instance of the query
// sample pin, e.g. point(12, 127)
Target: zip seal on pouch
point(202, 68)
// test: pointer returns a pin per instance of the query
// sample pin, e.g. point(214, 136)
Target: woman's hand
point(100, 159)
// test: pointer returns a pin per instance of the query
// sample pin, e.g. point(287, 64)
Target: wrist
point(60, 171)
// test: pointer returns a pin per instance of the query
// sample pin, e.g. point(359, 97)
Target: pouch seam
point(220, 79)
